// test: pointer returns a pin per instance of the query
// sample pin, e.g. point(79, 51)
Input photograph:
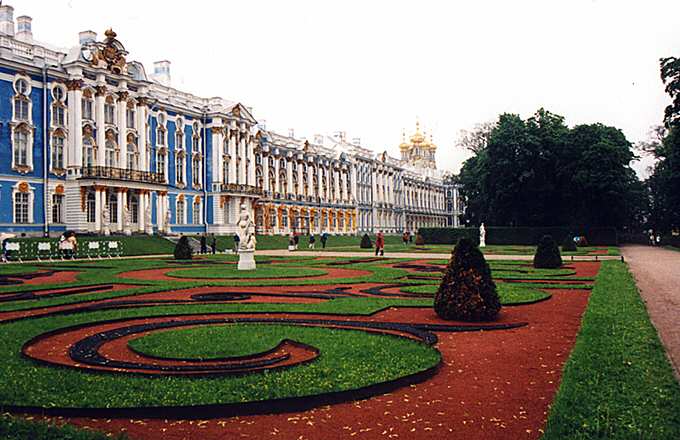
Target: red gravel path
point(492, 385)
point(160, 275)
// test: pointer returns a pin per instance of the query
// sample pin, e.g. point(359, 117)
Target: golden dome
point(431, 144)
point(417, 137)
point(404, 146)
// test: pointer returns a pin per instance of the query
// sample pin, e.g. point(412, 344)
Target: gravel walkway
point(657, 272)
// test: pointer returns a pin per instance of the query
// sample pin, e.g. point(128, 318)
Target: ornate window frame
point(180, 220)
point(58, 169)
point(23, 188)
point(24, 126)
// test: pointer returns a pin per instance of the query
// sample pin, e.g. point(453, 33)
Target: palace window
point(225, 170)
point(196, 212)
point(57, 208)
point(130, 115)
point(196, 139)
point(87, 106)
point(132, 158)
point(259, 181)
point(196, 172)
point(21, 146)
point(88, 152)
point(58, 142)
point(272, 180)
point(225, 147)
point(109, 152)
point(58, 115)
point(284, 219)
point(179, 214)
point(134, 209)
point(90, 208)
point(160, 136)
point(21, 100)
point(21, 207)
point(113, 208)
point(179, 172)
point(160, 162)
point(237, 174)
point(282, 182)
point(109, 111)
point(179, 140)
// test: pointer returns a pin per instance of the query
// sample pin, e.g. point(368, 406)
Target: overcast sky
point(371, 67)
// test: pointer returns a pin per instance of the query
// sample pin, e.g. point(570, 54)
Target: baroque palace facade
point(90, 142)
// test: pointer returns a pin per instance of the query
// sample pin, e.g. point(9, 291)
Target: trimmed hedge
point(507, 235)
point(365, 242)
point(547, 254)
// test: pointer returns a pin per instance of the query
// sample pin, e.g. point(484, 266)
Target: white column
point(122, 201)
point(276, 176)
point(353, 182)
point(97, 209)
point(234, 155)
point(289, 177)
point(75, 153)
point(336, 184)
point(140, 117)
point(265, 172)
point(251, 155)
point(141, 220)
point(310, 180)
point(301, 179)
point(242, 178)
point(319, 183)
point(343, 176)
point(122, 127)
point(217, 138)
point(99, 99)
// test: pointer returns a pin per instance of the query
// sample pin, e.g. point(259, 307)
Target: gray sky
point(371, 68)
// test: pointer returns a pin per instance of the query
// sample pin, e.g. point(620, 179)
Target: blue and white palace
point(90, 142)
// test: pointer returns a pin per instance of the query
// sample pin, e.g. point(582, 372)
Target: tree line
point(540, 172)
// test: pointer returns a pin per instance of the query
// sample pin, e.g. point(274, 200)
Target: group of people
point(204, 243)
point(294, 240)
point(654, 239)
point(407, 238)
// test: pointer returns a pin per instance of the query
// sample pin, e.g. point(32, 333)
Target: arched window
point(86, 105)
point(196, 211)
point(179, 213)
point(282, 182)
point(179, 135)
point(196, 139)
point(110, 150)
point(133, 203)
point(161, 162)
point(225, 147)
point(22, 101)
point(196, 172)
point(259, 181)
point(21, 146)
point(109, 111)
point(88, 152)
point(272, 180)
point(90, 208)
point(58, 107)
point(179, 165)
point(130, 115)
point(132, 156)
point(58, 141)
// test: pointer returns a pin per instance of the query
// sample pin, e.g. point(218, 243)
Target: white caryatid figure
point(246, 233)
point(106, 220)
point(482, 235)
point(147, 219)
point(126, 221)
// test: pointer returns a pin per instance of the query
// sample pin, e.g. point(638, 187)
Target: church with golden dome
point(419, 152)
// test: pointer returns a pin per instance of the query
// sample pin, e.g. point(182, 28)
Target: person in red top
point(380, 244)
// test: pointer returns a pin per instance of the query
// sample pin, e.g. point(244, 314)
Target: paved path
point(657, 272)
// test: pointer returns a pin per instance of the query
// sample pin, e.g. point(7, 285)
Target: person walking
point(204, 244)
point(312, 241)
point(379, 244)
point(324, 238)
point(237, 242)
point(213, 244)
point(296, 240)
point(404, 238)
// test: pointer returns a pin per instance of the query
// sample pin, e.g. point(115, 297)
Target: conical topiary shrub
point(366, 242)
point(183, 249)
point(569, 245)
point(547, 254)
point(467, 292)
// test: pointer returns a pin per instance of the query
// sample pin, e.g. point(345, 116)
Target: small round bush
point(547, 254)
point(183, 249)
point(569, 245)
point(420, 240)
point(366, 242)
point(467, 292)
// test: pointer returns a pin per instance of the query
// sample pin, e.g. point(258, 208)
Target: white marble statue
point(247, 242)
point(147, 220)
point(126, 221)
point(168, 219)
point(482, 235)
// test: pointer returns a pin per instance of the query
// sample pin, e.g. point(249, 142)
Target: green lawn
point(617, 383)
point(509, 294)
point(230, 271)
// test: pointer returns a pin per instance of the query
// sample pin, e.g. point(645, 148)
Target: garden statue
point(106, 220)
point(482, 235)
point(168, 219)
point(247, 242)
point(126, 221)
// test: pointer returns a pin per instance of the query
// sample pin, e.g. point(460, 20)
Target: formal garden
point(317, 345)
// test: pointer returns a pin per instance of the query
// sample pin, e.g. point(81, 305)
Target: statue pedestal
point(246, 259)
point(482, 243)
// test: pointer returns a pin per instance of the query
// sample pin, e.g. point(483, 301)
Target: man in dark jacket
point(204, 244)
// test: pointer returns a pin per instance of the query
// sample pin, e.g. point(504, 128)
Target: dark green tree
point(467, 292)
point(365, 242)
point(547, 254)
point(183, 249)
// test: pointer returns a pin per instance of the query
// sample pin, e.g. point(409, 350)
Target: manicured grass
point(230, 271)
point(617, 383)
point(210, 342)
point(349, 359)
point(509, 294)
point(17, 428)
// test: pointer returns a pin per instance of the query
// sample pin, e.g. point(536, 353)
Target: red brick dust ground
point(491, 385)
